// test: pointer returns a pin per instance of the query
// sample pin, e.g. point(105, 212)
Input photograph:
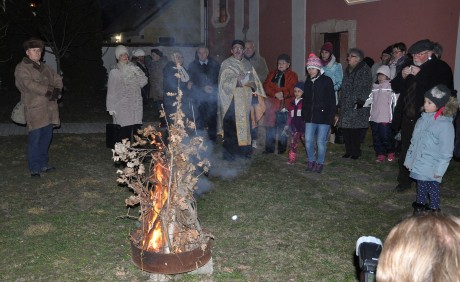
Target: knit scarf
point(183, 75)
point(129, 72)
point(325, 62)
point(279, 79)
point(439, 112)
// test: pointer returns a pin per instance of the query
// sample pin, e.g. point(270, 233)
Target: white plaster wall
point(108, 54)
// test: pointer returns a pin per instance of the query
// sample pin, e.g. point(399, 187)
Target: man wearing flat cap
point(40, 88)
point(238, 82)
point(417, 76)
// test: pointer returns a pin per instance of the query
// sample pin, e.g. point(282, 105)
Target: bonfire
point(163, 176)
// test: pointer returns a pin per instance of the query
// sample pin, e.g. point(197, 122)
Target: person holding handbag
point(279, 88)
point(40, 88)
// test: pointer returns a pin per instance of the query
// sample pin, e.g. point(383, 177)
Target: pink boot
point(380, 158)
point(391, 157)
point(292, 157)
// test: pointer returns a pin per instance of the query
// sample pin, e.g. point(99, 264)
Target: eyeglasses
point(420, 54)
point(238, 48)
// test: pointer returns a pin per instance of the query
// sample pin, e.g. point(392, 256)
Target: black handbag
point(339, 136)
point(281, 117)
point(112, 134)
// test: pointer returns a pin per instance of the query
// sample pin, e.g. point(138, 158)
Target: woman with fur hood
point(431, 147)
point(124, 99)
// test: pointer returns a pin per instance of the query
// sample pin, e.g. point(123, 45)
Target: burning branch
point(164, 191)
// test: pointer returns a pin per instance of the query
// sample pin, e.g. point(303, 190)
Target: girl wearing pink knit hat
point(318, 112)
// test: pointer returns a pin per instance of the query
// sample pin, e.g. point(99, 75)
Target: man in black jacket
point(417, 76)
point(204, 76)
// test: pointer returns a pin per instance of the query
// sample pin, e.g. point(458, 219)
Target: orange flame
point(155, 237)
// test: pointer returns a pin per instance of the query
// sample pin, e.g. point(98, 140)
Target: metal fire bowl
point(170, 263)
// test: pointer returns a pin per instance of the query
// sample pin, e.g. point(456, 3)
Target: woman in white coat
point(124, 99)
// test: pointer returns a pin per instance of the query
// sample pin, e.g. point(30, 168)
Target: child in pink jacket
point(382, 101)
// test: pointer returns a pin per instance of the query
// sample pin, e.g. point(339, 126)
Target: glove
point(359, 104)
point(56, 94)
point(112, 113)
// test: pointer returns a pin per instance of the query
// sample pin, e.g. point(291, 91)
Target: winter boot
point(419, 208)
point(391, 157)
point(380, 158)
point(292, 157)
point(310, 166)
point(318, 168)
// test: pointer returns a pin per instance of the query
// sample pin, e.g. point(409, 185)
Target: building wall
point(275, 30)
point(384, 22)
point(220, 35)
point(182, 21)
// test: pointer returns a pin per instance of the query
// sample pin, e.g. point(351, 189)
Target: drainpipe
point(206, 20)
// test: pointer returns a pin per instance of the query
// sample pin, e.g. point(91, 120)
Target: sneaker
point(391, 157)
point(35, 174)
point(346, 156)
point(380, 158)
point(290, 162)
point(48, 169)
point(310, 166)
point(318, 168)
point(254, 144)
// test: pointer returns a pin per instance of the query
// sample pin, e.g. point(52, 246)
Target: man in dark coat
point(40, 88)
point(204, 76)
point(417, 76)
point(175, 76)
point(139, 59)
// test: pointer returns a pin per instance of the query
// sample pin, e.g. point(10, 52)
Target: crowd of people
point(407, 94)
point(240, 98)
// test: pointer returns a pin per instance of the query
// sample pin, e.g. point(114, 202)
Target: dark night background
point(74, 30)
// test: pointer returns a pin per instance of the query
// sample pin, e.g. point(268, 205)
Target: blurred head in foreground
point(422, 248)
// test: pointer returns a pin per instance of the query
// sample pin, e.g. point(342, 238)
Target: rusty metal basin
point(169, 263)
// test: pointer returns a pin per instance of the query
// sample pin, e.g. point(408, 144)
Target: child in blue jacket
point(431, 147)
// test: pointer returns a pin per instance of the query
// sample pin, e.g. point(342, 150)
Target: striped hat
point(313, 62)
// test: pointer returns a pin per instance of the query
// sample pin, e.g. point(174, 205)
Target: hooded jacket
point(432, 144)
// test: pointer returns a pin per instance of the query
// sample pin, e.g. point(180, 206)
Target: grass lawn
point(291, 226)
